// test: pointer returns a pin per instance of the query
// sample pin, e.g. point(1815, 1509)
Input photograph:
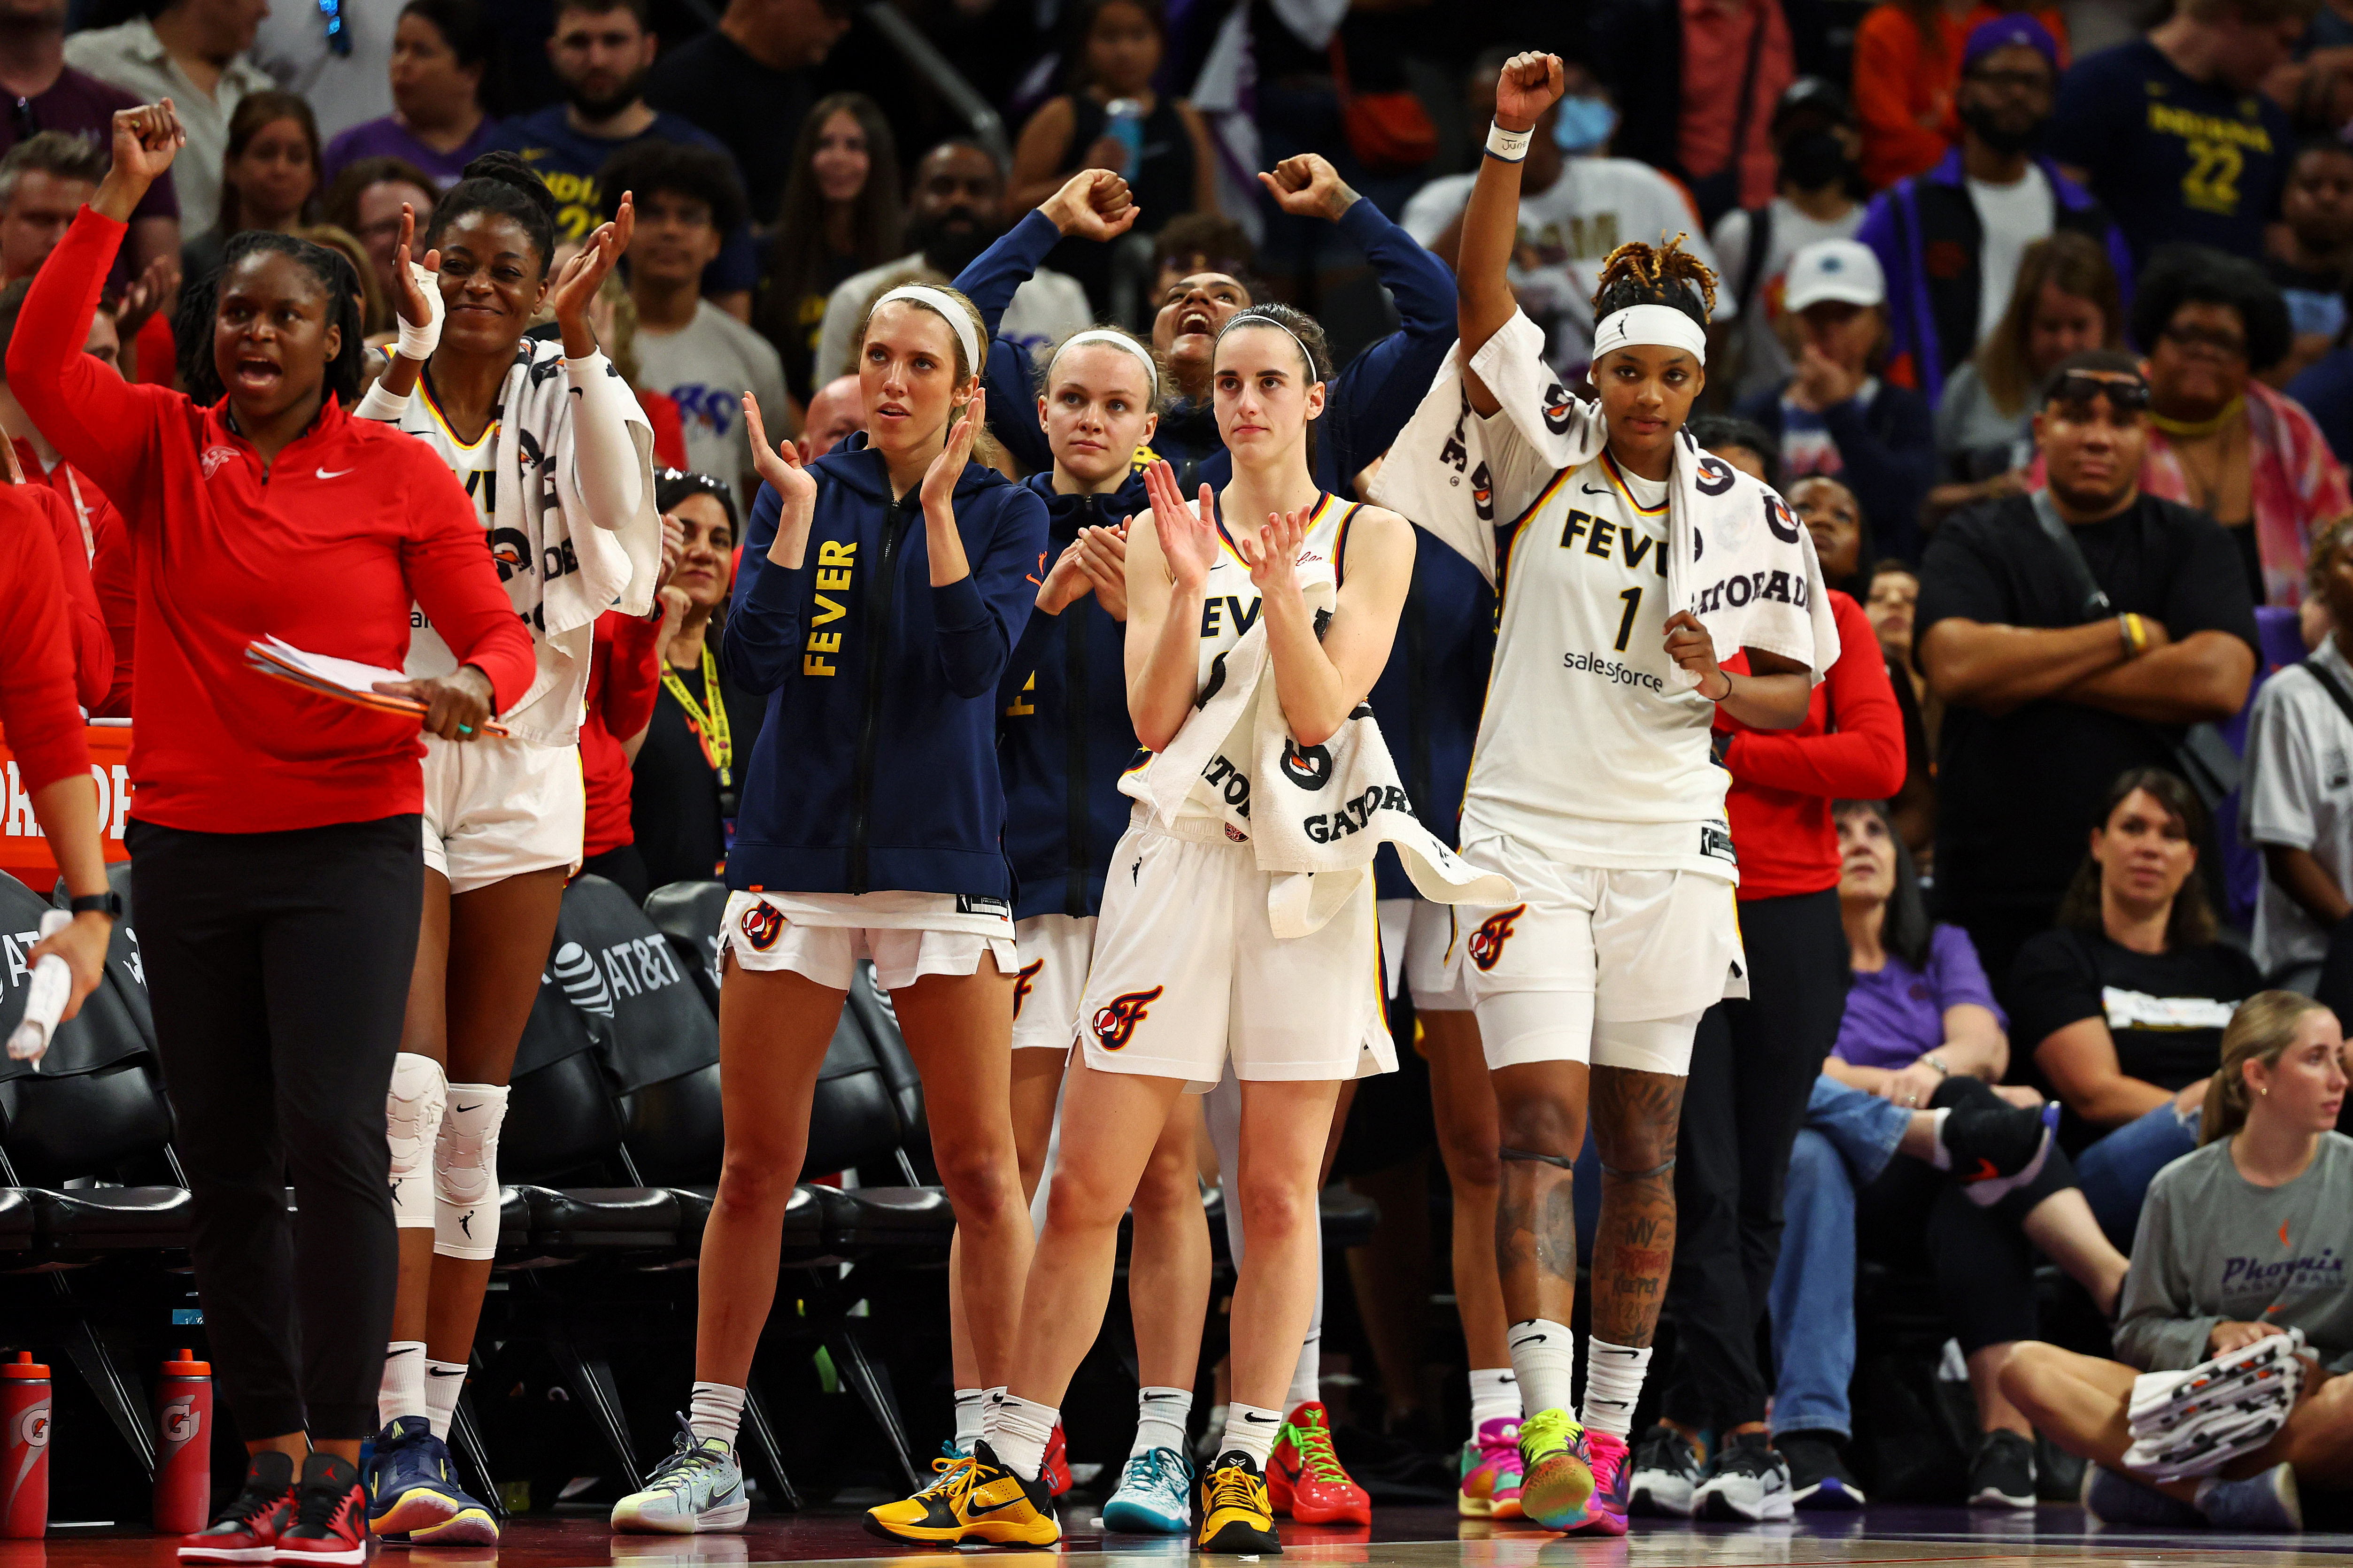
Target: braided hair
point(192, 324)
point(1639, 274)
point(503, 183)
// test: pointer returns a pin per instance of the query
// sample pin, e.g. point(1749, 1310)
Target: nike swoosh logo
point(1589, 489)
point(465, 1107)
point(437, 1372)
point(1531, 1339)
point(337, 474)
point(1987, 1170)
point(976, 1511)
point(408, 1350)
point(1260, 1420)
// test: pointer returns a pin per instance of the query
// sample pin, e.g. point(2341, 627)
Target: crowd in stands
point(2037, 315)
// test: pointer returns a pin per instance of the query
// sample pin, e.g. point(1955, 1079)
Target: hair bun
point(508, 169)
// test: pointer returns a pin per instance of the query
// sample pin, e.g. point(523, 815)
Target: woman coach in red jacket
point(274, 834)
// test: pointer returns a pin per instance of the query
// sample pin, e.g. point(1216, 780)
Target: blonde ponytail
point(2261, 1031)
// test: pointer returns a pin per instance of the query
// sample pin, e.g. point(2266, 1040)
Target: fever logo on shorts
point(1024, 983)
point(1486, 945)
point(1116, 1021)
point(762, 926)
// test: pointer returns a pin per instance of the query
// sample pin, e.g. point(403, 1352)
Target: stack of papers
point(340, 679)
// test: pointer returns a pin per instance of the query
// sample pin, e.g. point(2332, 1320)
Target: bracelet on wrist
point(1727, 688)
point(1511, 146)
point(1942, 1070)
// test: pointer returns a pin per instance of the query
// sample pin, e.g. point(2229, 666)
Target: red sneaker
point(1056, 1470)
point(1304, 1477)
point(330, 1514)
point(246, 1530)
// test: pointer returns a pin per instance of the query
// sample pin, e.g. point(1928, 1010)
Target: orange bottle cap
point(23, 1366)
point(187, 1366)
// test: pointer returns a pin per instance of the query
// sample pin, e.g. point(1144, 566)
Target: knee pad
point(466, 1172)
point(413, 1111)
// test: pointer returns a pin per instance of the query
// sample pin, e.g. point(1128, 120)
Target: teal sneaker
point(1155, 1495)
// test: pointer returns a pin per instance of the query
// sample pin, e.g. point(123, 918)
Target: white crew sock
point(1494, 1396)
point(1940, 1156)
point(1017, 1432)
point(715, 1410)
point(402, 1393)
point(1250, 1430)
point(1613, 1383)
point(444, 1381)
point(1160, 1414)
point(1306, 1373)
point(971, 1411)
point(1544, 1359)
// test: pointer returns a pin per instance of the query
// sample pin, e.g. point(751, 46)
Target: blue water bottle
point(1124, 124)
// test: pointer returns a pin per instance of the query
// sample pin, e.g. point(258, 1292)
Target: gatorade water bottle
point(24, 1448)
point(184, 1445)
point(1124, 124)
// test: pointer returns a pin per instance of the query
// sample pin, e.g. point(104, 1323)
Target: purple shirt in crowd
point(1897, 1015)
point(85, 106)
point(388, 138)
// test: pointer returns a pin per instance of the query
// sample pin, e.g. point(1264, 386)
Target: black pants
point(1753, 1067)
point(278, 965)
point(625, 868)
point(1980, 1257)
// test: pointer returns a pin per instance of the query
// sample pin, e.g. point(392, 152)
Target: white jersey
point(1588, 753)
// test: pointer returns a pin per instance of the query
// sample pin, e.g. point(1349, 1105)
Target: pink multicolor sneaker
point(1557, 1469)
point(1491, 1472)
point(1605, 1511)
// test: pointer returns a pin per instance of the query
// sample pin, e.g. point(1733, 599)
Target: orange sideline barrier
point(24, 853)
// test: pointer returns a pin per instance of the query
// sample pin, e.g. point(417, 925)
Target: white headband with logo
point(958, 319)
point(1116, 339)
point(1650, 326)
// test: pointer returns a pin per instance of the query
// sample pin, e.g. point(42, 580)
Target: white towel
point(1736, 555)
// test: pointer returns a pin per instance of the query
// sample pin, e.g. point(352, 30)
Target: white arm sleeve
point(381, 406)
point(607, 470)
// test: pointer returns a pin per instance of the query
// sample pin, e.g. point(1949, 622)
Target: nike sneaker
point(330, 1514)
point(1304, 1477)
point(974, 1500)
point(1236, 1514)
point(1556, 1470)
point(2002, 1473)
point(1747, 1483)
point(1605, 1511)
point(1055, 1469)
point(1666, 1473)
point(1819, 1478)
point(413, 1493)
point(2113, 1498)
point(1155, 1495)
point(249, 1528)
point(2265, 1502)
point(1491, 1472)
point(698, 1487)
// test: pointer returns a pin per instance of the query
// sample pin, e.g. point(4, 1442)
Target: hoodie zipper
point(880, 596)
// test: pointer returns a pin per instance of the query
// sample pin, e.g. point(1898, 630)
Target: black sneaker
point(1819, 1477)
point(1993, 1146)
point(1747, 1482)
point(2002, 1475)
point(1666, 1473)
point(1237, 1519)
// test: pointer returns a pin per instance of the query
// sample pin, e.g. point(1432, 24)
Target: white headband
point(1313, 376)
point(1650, 326)
point(1117, 340)
point(958, 319)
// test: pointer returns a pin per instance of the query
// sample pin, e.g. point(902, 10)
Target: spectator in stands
point(1950, 240)
point(1694, 81)
point(690, 349)
point(2048, 699)
point(1911, 59)
point(2208, 1277)
point(690, 765)
point(840, 216)
point(1577, 203)
point(955, 212)
point(441, 49)
point(2294, 803)
point(270, 176)
point(56, 97)
point(2316, 208)
point(194, 52)
point(1738, 442)
point(1921, 1040)
point(1836, 414)
point(365, 202)
point(94, 553)
point(835, 413)
point(615, 317)
point(2172, 130)
point(1814, 144)
point(1892, 595)
point(2121, 1008)
point(43, 181)
point(2224, 442)
point(1160, 148)
point(601, 52)
point(1841, 539)
point(748, 82)
point(2066, 300)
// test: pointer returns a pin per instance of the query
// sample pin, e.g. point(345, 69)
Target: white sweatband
point(957, 318)
point(418, 342)
point(466, 1172)
point(413, 1110)
point(1650, 326)
point(1116, 339)
point(1511, 146)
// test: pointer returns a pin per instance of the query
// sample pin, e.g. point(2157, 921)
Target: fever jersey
point(1589, 751)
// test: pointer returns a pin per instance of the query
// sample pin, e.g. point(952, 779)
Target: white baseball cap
point(1841, 270)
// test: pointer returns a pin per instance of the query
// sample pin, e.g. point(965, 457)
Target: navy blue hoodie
point(1429, 698)
point(1063, 731)
point(1368, 400)
point(876, 766)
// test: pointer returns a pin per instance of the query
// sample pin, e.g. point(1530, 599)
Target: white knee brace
point(466, 1172)
point(412, 1121)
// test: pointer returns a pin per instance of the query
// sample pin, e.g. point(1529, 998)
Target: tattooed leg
point(1540, 1108)
point(1635, 1119)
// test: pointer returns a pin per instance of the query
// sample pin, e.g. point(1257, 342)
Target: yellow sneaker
point(1557, 1471)
point(974, 1499)
point(1236, 1517)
